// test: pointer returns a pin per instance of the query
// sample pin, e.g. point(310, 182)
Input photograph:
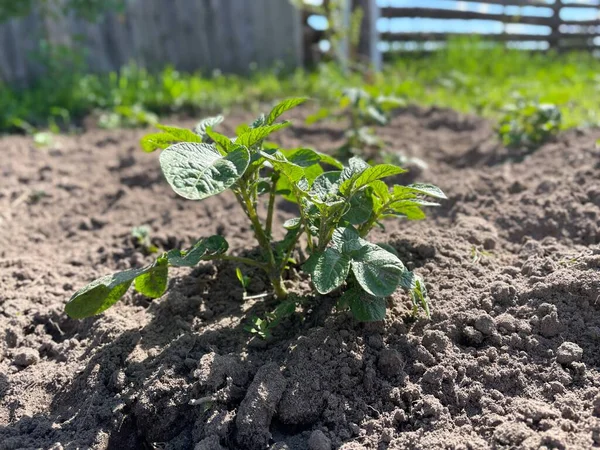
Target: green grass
point(465, 77)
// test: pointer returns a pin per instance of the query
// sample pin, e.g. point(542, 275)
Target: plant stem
point(271, 206)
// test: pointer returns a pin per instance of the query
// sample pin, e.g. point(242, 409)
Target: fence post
point(555, 36)
point(369, 35)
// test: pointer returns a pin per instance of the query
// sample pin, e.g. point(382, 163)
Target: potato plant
point(528, 124)
point(362, 110)
point(337, 209)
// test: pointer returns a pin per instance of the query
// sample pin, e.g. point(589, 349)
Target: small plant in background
point(362, 110)
point(141, 238)
point(127, 117)
point(528, 124)
point(337, 210)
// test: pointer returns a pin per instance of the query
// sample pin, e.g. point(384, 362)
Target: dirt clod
point(258, 407)
point(318, 441)
point(390, 363)
point(26, 357)
point(569, 352)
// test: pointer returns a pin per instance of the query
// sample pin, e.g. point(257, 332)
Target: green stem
point(271, 206)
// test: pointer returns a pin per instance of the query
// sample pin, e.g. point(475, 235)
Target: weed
point(337, 209)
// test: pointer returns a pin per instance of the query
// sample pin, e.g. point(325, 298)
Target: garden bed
point(508, 359)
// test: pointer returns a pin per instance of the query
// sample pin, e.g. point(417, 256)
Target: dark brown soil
point(509, 359)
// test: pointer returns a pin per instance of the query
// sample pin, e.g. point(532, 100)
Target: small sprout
point(337, 210)
point(263, 327)
point(477, 254)
point(141, 237)
point(528, 124)
point(43, 139)
point(244, 280)
point(37, 196)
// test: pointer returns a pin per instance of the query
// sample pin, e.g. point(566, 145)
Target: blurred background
point(125, 62)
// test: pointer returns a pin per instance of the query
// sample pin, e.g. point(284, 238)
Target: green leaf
point(381, 190)
point(282, 107)
point(204, 249)
point(377, 271)
point(347, 240)
point(368, 176)
point(427, 189)
point(280, 163)
point(210, 122)
point(364, 307)
point(153, 282)
point(330, 160)
point(154, 141)
point(355, 167)
point(303, 157)
point(198, 171)
point(180, 134)
point(292, 224)
point(328, 269)
point(388, 103)
point(361, 207)
point(255, 135)
point(321, 114)
point(409, 209)
point(221, 140)
point(101, 294)
point(325, 185)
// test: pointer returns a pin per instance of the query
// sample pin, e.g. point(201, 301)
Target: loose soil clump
point(508, 359)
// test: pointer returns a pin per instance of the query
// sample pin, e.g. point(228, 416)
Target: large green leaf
point(347, 240)
point(282, 107)
point(102, 293)
point(377, 271)
point(202, 127)
point(255, 135)
point(153, 282)
point(198, 171)
point(328, 269)
point(361, 207)
point(364, 307)
point(201, 250)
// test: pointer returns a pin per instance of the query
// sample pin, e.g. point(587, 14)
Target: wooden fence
point(557, 33)
point(229, 35)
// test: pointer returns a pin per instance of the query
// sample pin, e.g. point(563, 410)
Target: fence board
point(431, 13)
point(188, 34)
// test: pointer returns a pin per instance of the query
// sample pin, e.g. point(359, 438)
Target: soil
point(508, 359)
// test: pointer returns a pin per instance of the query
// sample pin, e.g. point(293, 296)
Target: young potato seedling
point(362, 110)
point(337, 210)
point(528, 124)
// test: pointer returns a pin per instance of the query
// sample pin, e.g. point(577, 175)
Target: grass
point(465, 76)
